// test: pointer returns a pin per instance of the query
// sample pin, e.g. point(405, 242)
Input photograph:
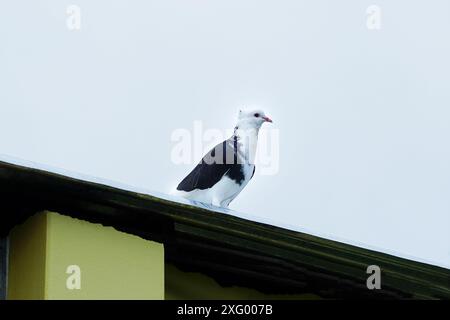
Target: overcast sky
point(363, 115)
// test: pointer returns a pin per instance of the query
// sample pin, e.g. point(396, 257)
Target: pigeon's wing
point(214, 165)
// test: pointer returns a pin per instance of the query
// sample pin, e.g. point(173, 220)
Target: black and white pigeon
point(226, 169)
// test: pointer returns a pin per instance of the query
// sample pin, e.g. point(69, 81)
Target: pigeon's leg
point(225, 203)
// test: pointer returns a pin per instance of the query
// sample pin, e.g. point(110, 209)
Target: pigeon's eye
point(257, 115)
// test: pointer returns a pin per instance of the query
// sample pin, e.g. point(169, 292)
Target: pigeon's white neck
point(247, 139)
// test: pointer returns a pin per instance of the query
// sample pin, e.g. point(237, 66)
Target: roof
point(232, 250)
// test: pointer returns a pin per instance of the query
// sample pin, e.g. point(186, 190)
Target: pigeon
point(227, 168)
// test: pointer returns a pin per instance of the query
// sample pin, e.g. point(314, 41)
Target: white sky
point(363, 116)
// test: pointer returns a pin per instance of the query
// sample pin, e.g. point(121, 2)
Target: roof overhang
point(232, 250)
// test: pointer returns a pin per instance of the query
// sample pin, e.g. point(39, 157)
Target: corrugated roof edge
point(233, 250)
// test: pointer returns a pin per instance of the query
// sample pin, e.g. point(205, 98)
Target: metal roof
point(232, 250)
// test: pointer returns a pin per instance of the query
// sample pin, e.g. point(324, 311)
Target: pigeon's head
point(252, 118)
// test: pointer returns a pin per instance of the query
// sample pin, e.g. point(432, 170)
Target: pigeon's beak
point(267, 119)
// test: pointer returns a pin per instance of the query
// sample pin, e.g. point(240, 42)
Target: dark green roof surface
point(232, 250)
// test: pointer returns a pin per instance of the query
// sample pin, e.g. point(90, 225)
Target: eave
point(232, 250)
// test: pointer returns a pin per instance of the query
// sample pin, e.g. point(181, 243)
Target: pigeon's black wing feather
point(214, 165)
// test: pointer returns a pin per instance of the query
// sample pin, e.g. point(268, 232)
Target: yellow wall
point(26, 271)
point(113, 264)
